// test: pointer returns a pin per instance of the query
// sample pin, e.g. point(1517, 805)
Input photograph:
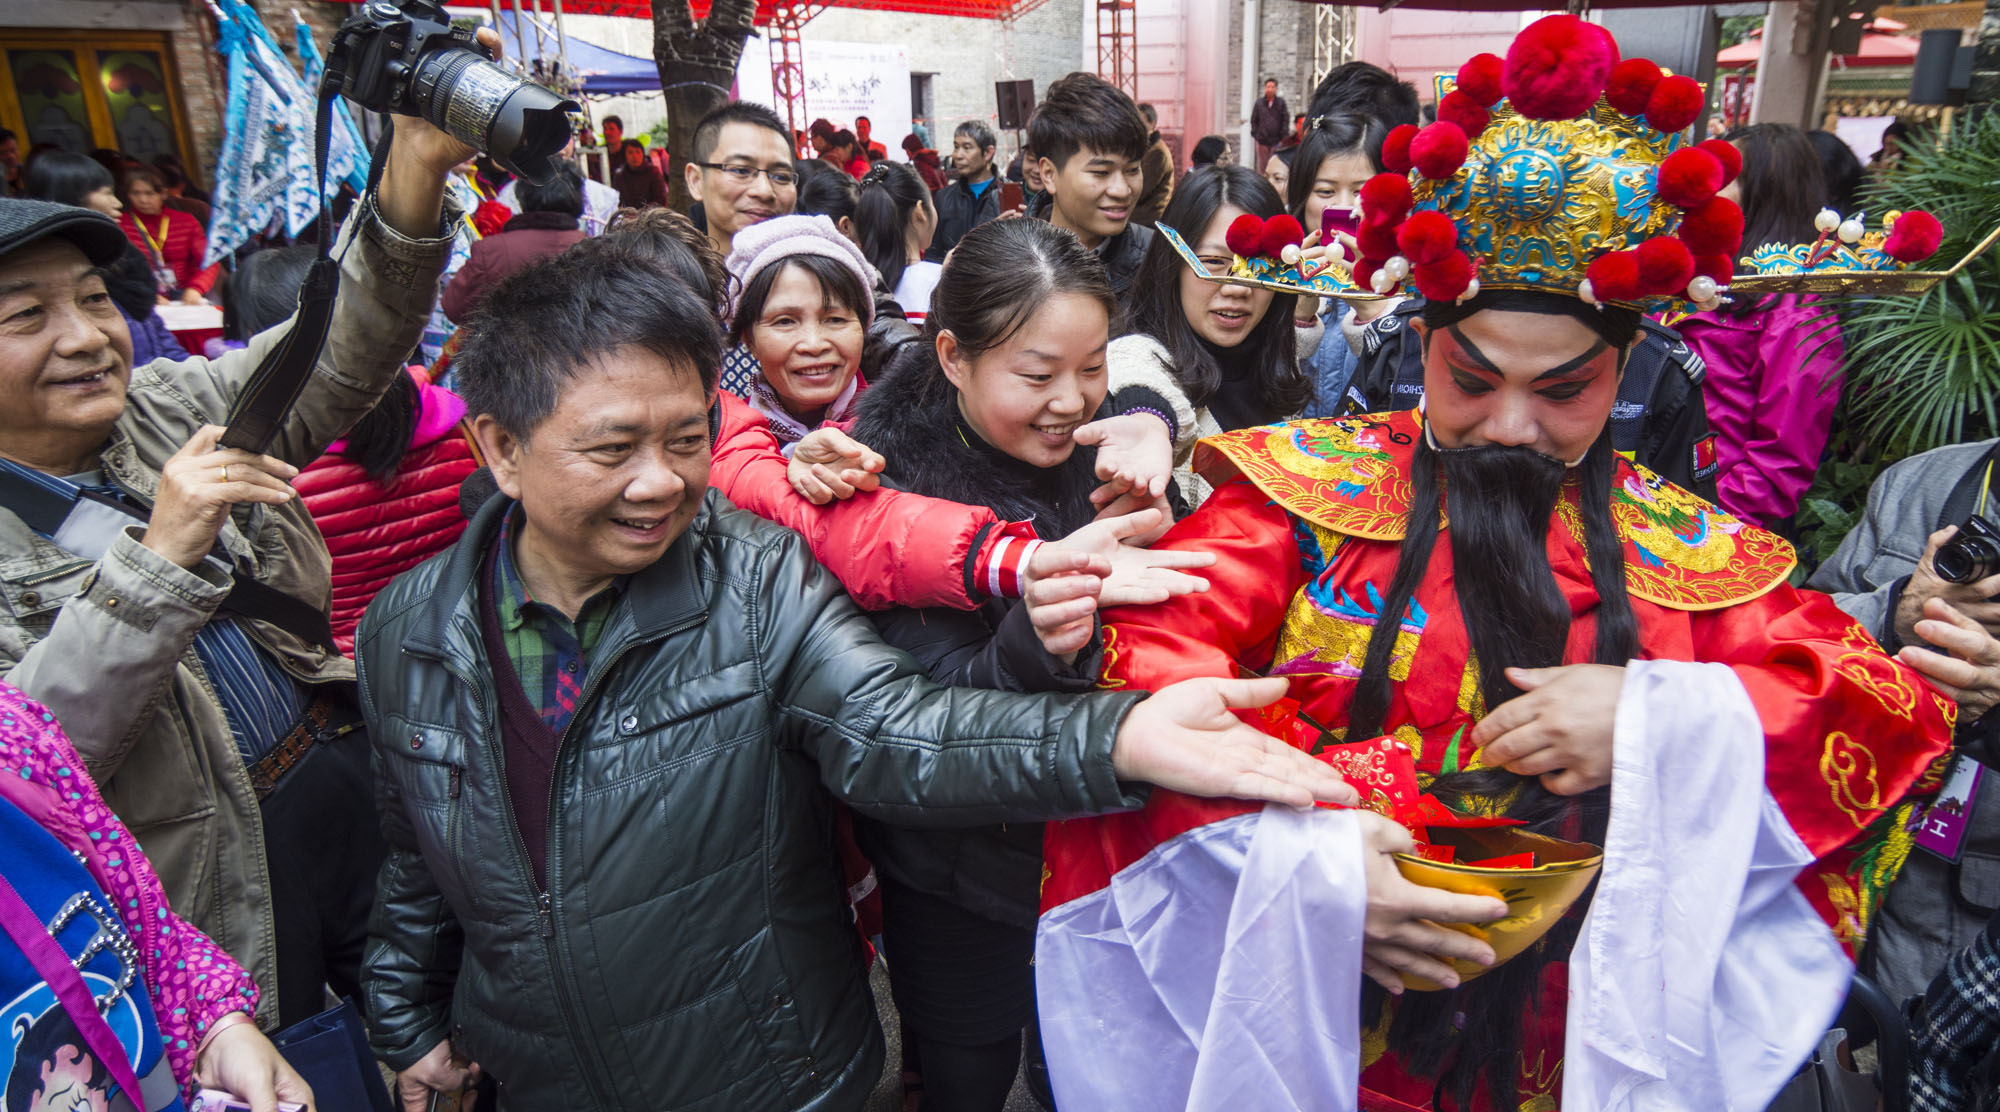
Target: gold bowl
point(1536, 898)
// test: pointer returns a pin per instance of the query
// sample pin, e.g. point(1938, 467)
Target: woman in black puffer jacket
point(982, 411)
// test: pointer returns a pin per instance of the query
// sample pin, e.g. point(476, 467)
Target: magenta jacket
point(192, 983)
point(1773, 380)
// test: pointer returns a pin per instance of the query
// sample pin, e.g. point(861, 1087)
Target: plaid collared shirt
point(550, 653)
point(1957, 1029)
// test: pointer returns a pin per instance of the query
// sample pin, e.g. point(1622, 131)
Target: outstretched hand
point(1134, 456)
point(828, 464)
point(1133, 576)
point(1183, 738)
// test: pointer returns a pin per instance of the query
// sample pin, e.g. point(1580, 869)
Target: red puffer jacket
point(378, 531)
point(889, 547)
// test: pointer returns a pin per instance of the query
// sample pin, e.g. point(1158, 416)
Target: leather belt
point(325, 719)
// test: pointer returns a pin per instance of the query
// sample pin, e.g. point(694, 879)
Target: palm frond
point(1923, 370)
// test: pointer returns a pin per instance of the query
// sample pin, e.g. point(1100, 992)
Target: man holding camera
point(1922, 572)
point(167, 597)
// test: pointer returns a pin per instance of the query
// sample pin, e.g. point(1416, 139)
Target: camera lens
point(519, 123)
point(1967, 559)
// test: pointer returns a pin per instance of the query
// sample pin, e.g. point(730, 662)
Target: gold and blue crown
point(1562, 169)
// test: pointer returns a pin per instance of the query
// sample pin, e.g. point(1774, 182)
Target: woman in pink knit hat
point(802, 303)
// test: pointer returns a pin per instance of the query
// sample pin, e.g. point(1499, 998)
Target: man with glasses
point(742, 170)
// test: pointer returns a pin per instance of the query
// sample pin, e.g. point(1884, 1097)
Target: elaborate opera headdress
point(1563, 169)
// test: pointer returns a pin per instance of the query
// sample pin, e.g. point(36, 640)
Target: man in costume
point(1556, 635)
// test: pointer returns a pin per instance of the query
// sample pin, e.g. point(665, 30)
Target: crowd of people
point(642, 623)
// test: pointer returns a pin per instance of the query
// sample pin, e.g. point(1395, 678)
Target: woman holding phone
point(1337, 156)
point(1211, 357)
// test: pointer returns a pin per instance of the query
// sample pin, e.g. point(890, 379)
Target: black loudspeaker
point(1937, 56)
point(1016, 101)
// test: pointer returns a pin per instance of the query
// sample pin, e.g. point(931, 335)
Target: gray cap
point(22, 222)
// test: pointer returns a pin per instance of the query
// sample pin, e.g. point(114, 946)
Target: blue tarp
point(601, 71)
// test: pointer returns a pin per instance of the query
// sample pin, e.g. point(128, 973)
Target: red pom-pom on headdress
point(1665, 265)
point(1726, 153)
point(1377, 237)
point(1386, 197)
point(1427, 237)
point(1675, 103)
point(1460, 109)
point(1364, 272)
point(1245, 235)
point(1715, 228)
point(1689, 177)
point(1439, 150)
point(1631, 86)
point(490, 217)
point(1718, 267)
point(1446, 279)
point(1557, 68)
point(1396, 148)
point(1480, 79)
point(1914, 237)
point(1615, 277)
point(1279, 232)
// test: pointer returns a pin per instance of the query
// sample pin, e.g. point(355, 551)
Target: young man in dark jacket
point(1156, 173)
point(1089, 139)
point(610, 724)
point(974, 198)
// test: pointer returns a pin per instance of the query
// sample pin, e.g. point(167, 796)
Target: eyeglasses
point(1217, 265)
point(744, 175)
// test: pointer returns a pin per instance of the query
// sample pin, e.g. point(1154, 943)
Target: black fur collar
point(910, 415)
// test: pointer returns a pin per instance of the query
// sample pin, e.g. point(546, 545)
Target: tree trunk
point(697, 67)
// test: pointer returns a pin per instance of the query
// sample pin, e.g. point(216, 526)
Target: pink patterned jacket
point(191, 981)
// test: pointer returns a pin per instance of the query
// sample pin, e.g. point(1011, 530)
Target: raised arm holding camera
point(166, 597)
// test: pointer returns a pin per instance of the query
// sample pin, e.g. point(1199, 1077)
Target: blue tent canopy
point(603, 72)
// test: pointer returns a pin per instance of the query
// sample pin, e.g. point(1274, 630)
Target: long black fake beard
point(1500, 503)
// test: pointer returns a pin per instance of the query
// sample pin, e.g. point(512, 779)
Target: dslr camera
point(406, 58)
point(1971, 555)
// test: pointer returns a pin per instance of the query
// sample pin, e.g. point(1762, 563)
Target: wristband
point(221, 1025)
point(1002, 568)
point(1151, 412)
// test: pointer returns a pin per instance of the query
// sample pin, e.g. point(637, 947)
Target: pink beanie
point(771, 241)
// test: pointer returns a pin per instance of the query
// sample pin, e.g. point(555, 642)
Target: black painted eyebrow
point(1568, 367)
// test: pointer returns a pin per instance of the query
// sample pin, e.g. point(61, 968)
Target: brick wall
point(1284, 45)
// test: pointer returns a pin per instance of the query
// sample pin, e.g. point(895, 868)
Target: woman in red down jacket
point(172, 241)
point(386, 497)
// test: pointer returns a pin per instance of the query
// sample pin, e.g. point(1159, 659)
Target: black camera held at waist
point(1970, 556)
point(407, 58)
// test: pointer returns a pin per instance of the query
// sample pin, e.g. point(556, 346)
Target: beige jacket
point(107, 645)
point(1140, 360)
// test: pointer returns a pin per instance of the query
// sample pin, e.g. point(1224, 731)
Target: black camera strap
point(84, 523)
point(275, 385)
point(1966, 495)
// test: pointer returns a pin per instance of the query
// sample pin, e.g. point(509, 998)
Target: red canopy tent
point(1876, 50)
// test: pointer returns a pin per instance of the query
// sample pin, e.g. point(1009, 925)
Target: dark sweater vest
point(527, 745)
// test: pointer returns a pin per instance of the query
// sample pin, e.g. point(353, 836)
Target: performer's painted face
point(1526, 380)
